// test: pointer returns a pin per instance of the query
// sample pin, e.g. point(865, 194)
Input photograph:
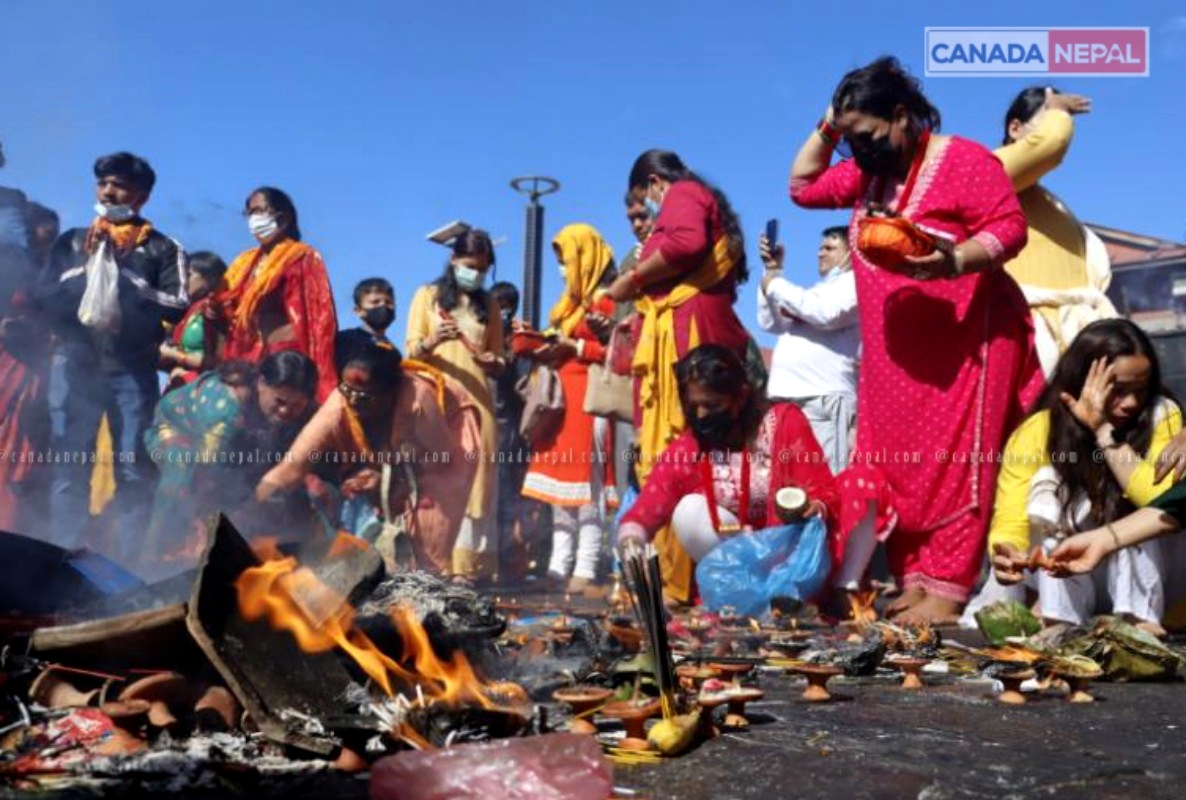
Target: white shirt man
point(815, 360)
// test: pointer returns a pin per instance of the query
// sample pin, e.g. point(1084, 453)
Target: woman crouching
point(720, 476)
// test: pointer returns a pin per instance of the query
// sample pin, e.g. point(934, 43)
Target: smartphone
point(772, 233)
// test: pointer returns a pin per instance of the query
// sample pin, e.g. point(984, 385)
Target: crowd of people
point(956, 382)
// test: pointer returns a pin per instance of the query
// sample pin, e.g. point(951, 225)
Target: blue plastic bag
point(748, 570)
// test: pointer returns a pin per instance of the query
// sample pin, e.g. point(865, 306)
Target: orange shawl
point(250, 279)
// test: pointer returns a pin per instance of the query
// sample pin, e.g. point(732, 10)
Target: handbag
point(543, 406)
point(622, 344)
point(607, 393)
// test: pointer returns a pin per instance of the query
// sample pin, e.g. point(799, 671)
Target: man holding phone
point(815, 360)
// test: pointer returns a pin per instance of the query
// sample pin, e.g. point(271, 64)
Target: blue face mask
point(468, 279)
point(653, 208)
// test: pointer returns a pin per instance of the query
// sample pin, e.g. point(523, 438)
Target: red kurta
point(796, 459)
point(947, 368)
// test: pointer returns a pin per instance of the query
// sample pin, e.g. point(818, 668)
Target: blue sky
point(385, 120)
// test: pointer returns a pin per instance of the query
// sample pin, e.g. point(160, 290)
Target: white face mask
point(262, 226)
point(116, 214)
point(468, 278)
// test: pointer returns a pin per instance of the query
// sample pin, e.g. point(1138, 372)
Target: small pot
point(911, 669)
point(217, 710)
point(165, 691)
point(582, 699)
point(1012, 681)
point(52, 691)
point(128, 715)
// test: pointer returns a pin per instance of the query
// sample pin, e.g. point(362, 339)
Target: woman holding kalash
point(944, 331)
point(1083, 460)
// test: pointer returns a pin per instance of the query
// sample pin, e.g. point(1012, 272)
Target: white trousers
point(1131, 581)
point(576, 541)
point(692, 525)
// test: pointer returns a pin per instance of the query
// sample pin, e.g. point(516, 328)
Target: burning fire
point(861, 608)
point(292, 598)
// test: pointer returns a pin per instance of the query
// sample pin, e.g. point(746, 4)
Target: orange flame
point(294, 599)
point(861, 605)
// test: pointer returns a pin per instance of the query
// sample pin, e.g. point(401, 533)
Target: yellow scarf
point(124, 237)
point(248, 285)
point(431, 373)
point(656, 354)
point(586, 256)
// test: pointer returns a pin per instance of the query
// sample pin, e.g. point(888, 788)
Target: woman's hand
point(622, 289)
point(1090, 407)
point(490, 363)
point(1172, 459)
point(1081, 553)
point(601, 325)
point(1070, 103)
point(815, 508)
point(1008, 564)
point(938, 264)
point(364, 481)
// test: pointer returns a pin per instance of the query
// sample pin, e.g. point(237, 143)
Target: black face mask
point(873, 156)
point(713, 429)
point(379, 317)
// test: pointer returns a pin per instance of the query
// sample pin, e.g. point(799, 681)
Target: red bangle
point(828, 133)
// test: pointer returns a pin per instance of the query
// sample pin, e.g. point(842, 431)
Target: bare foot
point(932, 610)
point(909, 599)
point(1153, 628)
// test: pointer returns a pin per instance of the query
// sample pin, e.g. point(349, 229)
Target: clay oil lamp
point(817, 676)
point(1012, 680)
point(1078, 672)
point(53, 691)
point(626, 632)
point(709, 702)
point(737, 698)
point(911, 669)
point(692, 676)
point(561, 631)
point(633, 714)
point(698, 628)
point(733, 670)
point(787, 647)
point(165, 691)
point(582, 701)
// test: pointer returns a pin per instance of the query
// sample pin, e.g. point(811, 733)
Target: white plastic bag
point(99, 308)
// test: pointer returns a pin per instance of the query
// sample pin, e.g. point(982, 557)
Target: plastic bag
point(556, 766)
point(749, 570)
point(99, 308)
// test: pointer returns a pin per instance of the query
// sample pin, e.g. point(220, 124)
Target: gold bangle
point(1115, 536)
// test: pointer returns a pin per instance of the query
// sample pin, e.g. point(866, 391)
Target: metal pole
point(534, 186)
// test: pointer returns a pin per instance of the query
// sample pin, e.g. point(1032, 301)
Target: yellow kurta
point(455, 360)
point(1055, 255)
point(1025, 453)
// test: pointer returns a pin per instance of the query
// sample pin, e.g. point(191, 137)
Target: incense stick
point(645, 582)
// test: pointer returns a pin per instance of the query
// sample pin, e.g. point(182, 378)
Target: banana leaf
point(1125, 652)
point(1004, 619)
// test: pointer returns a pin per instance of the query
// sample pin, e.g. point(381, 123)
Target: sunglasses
point(356, 396)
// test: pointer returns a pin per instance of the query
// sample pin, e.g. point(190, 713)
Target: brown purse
point(543, 406)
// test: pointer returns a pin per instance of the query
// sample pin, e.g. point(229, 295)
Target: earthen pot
point(634, 743)
point(1012, 682)
point(633, 716)
point(911, 669)
point(217, 709)
point(582, 699)
point(732, 671)
point(629, 636)
point(128, 715)
point(349, 761)
point(166, 691)
point(691, 676)
point(735, 718)
point(708, 704)
point(817, 676)
point(120, 743)
point(52, 691)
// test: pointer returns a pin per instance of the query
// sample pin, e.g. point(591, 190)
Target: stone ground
point(950, 740)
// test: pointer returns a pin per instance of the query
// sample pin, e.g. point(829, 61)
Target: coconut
point(791, 502)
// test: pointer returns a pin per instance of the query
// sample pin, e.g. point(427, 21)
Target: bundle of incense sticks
point(646, 594)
